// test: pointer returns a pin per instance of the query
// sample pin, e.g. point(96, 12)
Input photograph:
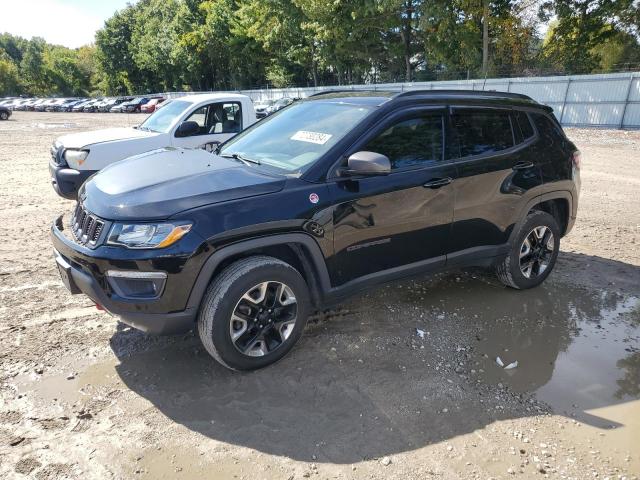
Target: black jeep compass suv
point(334, 193)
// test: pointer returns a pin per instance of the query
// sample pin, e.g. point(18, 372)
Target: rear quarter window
point(481, 132)
point(522, 119)
point(548, 129)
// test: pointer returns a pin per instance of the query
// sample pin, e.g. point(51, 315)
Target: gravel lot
point(363, 395)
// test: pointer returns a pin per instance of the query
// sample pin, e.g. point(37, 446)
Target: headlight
point(75, 156)
point(147, 235)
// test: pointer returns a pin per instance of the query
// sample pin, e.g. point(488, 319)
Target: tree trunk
point(314, 64)
point(405, 34)
point(485, 37)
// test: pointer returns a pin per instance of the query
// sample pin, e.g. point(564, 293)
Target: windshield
point(161, 120)
point(297, 136)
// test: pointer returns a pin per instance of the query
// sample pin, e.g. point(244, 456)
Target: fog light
point(135, 284)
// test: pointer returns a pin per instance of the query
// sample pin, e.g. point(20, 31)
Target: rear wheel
point(4, 116)
point(533, 253)
point(253, 313)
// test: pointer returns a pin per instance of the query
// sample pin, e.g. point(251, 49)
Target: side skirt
point(485, 256)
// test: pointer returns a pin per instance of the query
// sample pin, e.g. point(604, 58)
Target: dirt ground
point(364, 394)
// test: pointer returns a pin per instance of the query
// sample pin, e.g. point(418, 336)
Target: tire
point(537, 259)
point(4, 116)
point(235, 292)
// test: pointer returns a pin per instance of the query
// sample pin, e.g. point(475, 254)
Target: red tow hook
point(99, 307)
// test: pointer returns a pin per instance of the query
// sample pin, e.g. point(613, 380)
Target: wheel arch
point(297, 249)
point(559, 204)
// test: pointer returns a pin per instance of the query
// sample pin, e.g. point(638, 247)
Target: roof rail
point(337, 90)
point(479, 93)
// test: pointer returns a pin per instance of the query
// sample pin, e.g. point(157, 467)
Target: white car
point(195, 121)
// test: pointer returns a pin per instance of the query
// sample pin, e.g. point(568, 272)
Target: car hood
point(158, 184)
point(80, 140)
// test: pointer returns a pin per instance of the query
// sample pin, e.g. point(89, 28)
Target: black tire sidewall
point(537, 219)
point(222, 316)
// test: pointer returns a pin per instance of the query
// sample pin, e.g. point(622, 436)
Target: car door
point(400, 220)
point(496, 170)
point(217, 122)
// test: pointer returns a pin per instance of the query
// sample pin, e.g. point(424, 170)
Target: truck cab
point(194, 121)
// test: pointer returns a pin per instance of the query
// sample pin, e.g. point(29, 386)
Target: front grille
point(85, 226)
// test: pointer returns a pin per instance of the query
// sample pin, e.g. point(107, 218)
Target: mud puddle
point(577, 350)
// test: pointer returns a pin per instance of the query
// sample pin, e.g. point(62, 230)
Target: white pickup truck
point(194, 121)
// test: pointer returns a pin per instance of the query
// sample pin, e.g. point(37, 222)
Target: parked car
point(22, 105)
point(279, 105)
point(25, 106)
point(14, 103)
point(262, 107)
point(99, 106)
point(134, 106)
point(117, 108)
point(110, 103)
point(5, 112)
point(92, 107)
point(60, 107)
point(81, 106)
point(55, 104)
point(41, 106)
point(128, 106)
point(68, 106)
point(151, 105)
point(331, 195)
point(193, 121)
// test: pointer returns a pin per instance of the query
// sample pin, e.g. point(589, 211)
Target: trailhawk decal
point(311, 137)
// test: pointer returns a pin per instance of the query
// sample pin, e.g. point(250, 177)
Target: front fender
point(305, 241)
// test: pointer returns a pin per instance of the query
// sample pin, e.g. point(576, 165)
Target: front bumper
point(67, 181)
point(83, 271)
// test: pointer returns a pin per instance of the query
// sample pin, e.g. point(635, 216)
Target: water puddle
point(578, 350)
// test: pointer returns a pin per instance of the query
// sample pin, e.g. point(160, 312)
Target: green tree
point(114, 52)
point(575, 40)
point(9, 76)
point(32, 67)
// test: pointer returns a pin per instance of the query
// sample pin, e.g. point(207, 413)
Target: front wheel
point(253, 313)
point(4, 116)
point(533, 253)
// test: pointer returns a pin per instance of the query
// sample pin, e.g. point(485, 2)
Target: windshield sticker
point(311, 137)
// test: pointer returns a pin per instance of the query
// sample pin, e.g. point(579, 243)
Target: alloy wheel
point(263, 319)
point(536, 252)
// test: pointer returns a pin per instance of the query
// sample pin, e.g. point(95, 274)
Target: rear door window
point(482, 132)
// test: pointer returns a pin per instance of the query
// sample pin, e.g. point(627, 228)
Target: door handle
point(522, 165)
point(438, 182)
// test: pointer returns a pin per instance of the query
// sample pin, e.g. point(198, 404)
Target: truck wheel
point(533, 253)
point(253, 313)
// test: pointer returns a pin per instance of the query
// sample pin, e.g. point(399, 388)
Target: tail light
point(576, 158)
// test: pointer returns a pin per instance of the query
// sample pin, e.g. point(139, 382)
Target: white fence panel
point(602, 100)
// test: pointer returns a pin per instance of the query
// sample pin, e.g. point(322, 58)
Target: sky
point(71, 23)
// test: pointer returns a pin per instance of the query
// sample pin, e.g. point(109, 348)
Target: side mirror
point(367, 164)
point(187, 129)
